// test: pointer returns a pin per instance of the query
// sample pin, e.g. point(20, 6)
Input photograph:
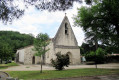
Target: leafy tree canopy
point(10, 11)
point(86, 48)
point(40, 43)
point(15, 40)
point(98, 56)
point(102, 19)
point(6, 52)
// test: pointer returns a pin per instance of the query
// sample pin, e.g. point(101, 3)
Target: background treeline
point(10, 41)
point(100, 55)
point(85, 48)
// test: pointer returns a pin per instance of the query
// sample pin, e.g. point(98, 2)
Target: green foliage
point(5, 52)
point(98, 56)
point(61, 61)
point(86, 48)
point(112, 59)
point(14, 40)
point(90, 2)
point(102, 19)
point(40, 43)
point(10, 12)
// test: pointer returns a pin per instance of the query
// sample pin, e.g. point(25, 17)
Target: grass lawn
point(27, 75)
point(4, 66)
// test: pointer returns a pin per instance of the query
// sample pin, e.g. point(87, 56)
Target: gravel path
point(37, 67)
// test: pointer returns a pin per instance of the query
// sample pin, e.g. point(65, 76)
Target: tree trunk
point(41, 65)
point(96, 65)
point(1, 60)
point(96, 61)
point(43, 59)
point(96, 47)
point(96, 43)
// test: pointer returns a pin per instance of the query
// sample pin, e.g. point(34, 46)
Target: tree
point(10, 10)
point(61, 61)
point(86, 48)
point(5, 52)
point(90, 2)
point(91, 37)
point(40, 43)
point(97, 56)
point(102, 18)
point(15, 40)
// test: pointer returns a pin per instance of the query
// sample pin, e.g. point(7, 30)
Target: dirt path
point(37, 67)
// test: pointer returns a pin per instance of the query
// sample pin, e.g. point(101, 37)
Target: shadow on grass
point(3, 67)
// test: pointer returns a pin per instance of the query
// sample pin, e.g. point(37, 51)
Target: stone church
point(64, 42)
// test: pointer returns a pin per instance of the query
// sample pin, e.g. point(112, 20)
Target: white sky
point(35, 21)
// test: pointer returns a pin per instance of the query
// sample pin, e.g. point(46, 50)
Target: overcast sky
point(35, 21)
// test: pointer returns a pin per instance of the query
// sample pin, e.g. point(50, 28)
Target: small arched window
point(66, 28)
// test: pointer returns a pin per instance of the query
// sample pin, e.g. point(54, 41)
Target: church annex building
point(64, 42)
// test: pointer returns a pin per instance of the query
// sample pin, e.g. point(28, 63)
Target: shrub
point(61, 61)
point(112, 58)
point(98, 56)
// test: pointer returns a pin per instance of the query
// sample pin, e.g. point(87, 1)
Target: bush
point(112, 58)
point(61, 61)
point(98, 56)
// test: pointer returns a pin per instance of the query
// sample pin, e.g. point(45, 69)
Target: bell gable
point(65, 35)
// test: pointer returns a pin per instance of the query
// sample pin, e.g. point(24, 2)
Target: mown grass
point(5, 66)
point(28, 75)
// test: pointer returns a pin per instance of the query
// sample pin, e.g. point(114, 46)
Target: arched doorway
point(33, 60)
point(70, 57)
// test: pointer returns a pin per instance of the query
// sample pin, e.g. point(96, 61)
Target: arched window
point(66, 28)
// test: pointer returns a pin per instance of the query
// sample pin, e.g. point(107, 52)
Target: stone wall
point(64, 43)
point(21, 55)
point(65, 39)
point(50, 53)
point(29, 53)
point(74, 55)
